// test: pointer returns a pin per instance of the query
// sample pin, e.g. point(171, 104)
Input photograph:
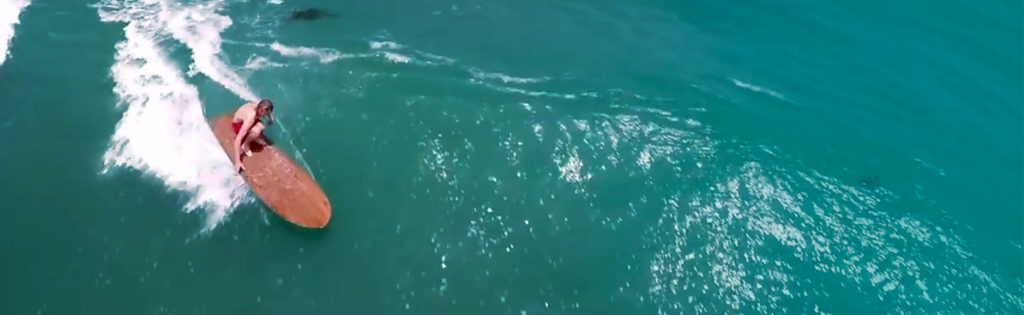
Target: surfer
point(248, 128)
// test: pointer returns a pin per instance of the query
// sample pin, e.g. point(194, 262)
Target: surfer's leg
point(254, 135)
point(257, 134)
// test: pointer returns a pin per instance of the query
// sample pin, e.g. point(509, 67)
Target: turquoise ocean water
point(518, 157)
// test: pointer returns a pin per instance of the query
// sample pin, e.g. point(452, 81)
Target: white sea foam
point(325, 55)
point(328, 55)
point(396, 57)
point(163, 131)
point(758, 89)
point(512, 90)
point(435, 59)
point(259, 62)
point(398, 53)
point(384, 45)
point(198, 26)
point(484, 75)
point(9, 12)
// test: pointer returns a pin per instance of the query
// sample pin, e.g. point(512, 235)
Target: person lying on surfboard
point(248, 128)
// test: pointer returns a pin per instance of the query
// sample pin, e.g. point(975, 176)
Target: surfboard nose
point(322, 219)
point(316, 216)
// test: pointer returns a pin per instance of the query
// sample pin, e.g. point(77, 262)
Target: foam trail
point(163, 131)
point(390, 55)
point(199, 27)
point(396, 57)
point(259, 62)
point(9, 12)
point(384, 45)
point(484, 75)
point(758, 89)
point(326, 55)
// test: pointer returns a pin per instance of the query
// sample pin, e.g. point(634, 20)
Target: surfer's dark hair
point(266, 105)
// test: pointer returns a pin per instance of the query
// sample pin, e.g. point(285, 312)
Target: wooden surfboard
point(281, 184)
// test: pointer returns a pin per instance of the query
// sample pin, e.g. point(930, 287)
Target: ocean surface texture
point(517, 157)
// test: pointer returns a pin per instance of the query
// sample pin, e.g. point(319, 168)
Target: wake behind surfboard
point(282, 185)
